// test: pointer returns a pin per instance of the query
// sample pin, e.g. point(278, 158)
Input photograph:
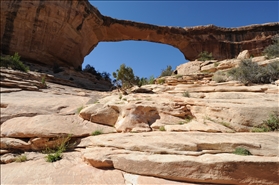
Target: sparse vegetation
point(54, 156)
point(96, 132)
point(256, 129)
point(186, 94)
point(187, 120)
point(225, 124)
point(14, 63)
point(21, 158)
point(272, 50)
point(56, 153)
point(161, 81)
point(272, 122)
point(203, 56)
point(151, 79)
point(166, 72)
point(43, 81)
point(162, 128)
point(219, 76)
point(242, 151)
point(250, 72)
point(79, 109)
point(120, 96)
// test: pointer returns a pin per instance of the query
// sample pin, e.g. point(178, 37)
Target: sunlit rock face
point(64, 32)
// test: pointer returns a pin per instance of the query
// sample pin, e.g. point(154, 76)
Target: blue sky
point(147, 58)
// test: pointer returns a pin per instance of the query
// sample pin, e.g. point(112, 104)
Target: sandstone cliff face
point(64, 32)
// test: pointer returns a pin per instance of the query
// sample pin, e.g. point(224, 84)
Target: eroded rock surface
point(167, 137)
point(64, 32)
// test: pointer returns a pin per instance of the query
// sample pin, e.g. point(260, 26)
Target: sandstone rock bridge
point(64, 32)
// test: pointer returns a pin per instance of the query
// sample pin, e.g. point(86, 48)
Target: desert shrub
point(151, 80)
point(186, 94)
point(54, 157)
point(219, 76)
point(21, 158)
point(203, 56)
point(161, 81)
point(56, 153)
point(272, 50)
point(166, 72)
point(43, 81)
point(251, 72)
point(272, 122)
point(14, 63)
point(256, 129)
point(242, 151)
point(188, 118)
point(162, 128)
point(96, 132)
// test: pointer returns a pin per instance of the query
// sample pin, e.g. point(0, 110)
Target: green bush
point(54, 157)
point(161, 81)
point(56, 153)
point(96, 132)
point(162, 128)
point(14, 63)
point(272, 50)
point(166, 72)
point(272, 122)
point(21, 158)
point(250, 72)
point(151, 80)
point(186, 94)
point(203, 56)
point(242, 151)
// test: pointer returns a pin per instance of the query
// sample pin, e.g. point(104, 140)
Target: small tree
point(126, 75)
point(167, 72)
point(203, 56)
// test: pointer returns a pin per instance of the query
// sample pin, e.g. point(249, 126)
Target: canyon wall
point(64, 32)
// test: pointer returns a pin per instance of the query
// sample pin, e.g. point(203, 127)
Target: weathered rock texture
point(63, 32)
point(189, 152)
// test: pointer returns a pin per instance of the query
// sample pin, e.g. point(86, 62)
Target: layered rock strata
point(64, 32)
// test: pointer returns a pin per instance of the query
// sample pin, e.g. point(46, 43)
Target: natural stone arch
point(64, 32)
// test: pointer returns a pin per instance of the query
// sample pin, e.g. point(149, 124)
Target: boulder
point(243, 55)
point(188, 68)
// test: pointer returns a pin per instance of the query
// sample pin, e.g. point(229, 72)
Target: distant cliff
point(64, 32)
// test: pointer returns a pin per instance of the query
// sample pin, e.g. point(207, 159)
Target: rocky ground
point(198, 150)
point(183, 132)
